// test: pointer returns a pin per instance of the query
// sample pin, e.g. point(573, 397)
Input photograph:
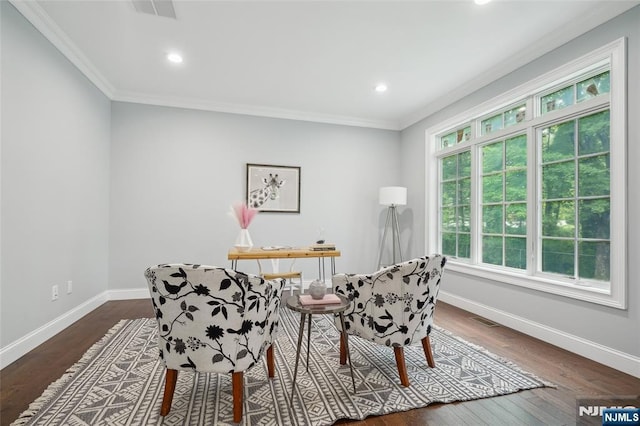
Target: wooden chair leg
point(170, 379)
point(402, 367)
point(271, 367)
point(236, 386)
point(428, 353)
point(343, 349)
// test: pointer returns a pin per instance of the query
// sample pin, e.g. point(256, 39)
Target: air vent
point(485, 321)
point(155, 7)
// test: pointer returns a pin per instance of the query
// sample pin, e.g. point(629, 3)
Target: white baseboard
point(23, 345)
point(127, 294)
point(604, 355)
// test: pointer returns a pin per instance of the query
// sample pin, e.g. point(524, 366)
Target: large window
point(531, 186)
point(576, 207)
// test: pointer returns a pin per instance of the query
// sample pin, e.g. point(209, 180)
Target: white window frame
point(613, 54)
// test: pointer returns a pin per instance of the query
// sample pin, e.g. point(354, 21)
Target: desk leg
point(295, 371)
point(234, 264)
point(308, 342)
point(346, 346)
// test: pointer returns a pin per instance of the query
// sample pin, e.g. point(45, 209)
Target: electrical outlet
point(54, 292)
point(69, 287)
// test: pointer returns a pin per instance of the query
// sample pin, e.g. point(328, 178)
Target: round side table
point(306, 311)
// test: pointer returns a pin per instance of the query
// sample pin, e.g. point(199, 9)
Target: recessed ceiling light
point(481, 2)
point(176, 58)
point(381, 88)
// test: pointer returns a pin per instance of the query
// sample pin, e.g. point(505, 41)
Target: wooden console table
point(286, 253)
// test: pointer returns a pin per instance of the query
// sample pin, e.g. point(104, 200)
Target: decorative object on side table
point(317, 289)
point(244, 215)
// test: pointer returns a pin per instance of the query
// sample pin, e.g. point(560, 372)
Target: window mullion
point(476, 230)
point(534, 173)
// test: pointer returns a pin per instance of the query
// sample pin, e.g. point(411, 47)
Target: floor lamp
point(392, 196)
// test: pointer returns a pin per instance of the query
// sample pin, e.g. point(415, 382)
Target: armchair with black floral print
point(213, 320)
point(393, 306)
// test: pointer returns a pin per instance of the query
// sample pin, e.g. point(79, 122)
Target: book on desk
point(322, 247)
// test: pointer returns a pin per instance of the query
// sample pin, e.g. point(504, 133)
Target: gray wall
point(176, 172)
point(54, 177)
point(614, 328)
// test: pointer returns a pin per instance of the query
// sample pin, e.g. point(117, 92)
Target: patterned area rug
point(120, 381)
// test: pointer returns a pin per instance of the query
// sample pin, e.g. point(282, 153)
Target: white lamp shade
point(393, 196)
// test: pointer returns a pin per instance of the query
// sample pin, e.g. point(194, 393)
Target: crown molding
point(39, 18)
point(260, 111)
point(596, 16)
point(35, 14)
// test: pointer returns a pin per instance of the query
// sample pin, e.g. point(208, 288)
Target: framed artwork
point(273, 188)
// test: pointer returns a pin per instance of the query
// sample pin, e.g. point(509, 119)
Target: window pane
point(558, 142)
point(492, 188)
point(593, 176)
point(516, 151)
point(464, 245)
point(515, 250)
point(558, 219)
point(449, 193)
point(516, 219)
point(449, 244)
point(593, 133)
point(516, 185)
point(455, 205)
point(464, 219)
point(515, 115)
point(557, 100)
point(594, 260)
point(492, 157)
point(558, 180)
point(593, 87)
point(492, 250)
point(449, 219)
point(491, 124)
point(464, 194)
point(492, 219)
point(464, 164)
point(449, 168)
point(448, 140)
point(463, 135)
point(558, 256)
point(593, 216)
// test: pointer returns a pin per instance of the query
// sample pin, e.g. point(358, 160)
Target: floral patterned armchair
point(213, 320)
point(393, 306)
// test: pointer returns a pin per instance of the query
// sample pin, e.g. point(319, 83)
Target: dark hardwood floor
point(575, 377)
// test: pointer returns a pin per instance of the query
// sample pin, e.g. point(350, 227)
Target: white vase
point(243, 241)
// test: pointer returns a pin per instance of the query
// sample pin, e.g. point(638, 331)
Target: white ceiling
point(310, 60)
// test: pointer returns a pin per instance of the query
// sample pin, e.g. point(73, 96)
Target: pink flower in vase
point(243, 214)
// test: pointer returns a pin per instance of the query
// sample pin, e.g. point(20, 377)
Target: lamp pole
point(392, 217)
point(392, 196)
